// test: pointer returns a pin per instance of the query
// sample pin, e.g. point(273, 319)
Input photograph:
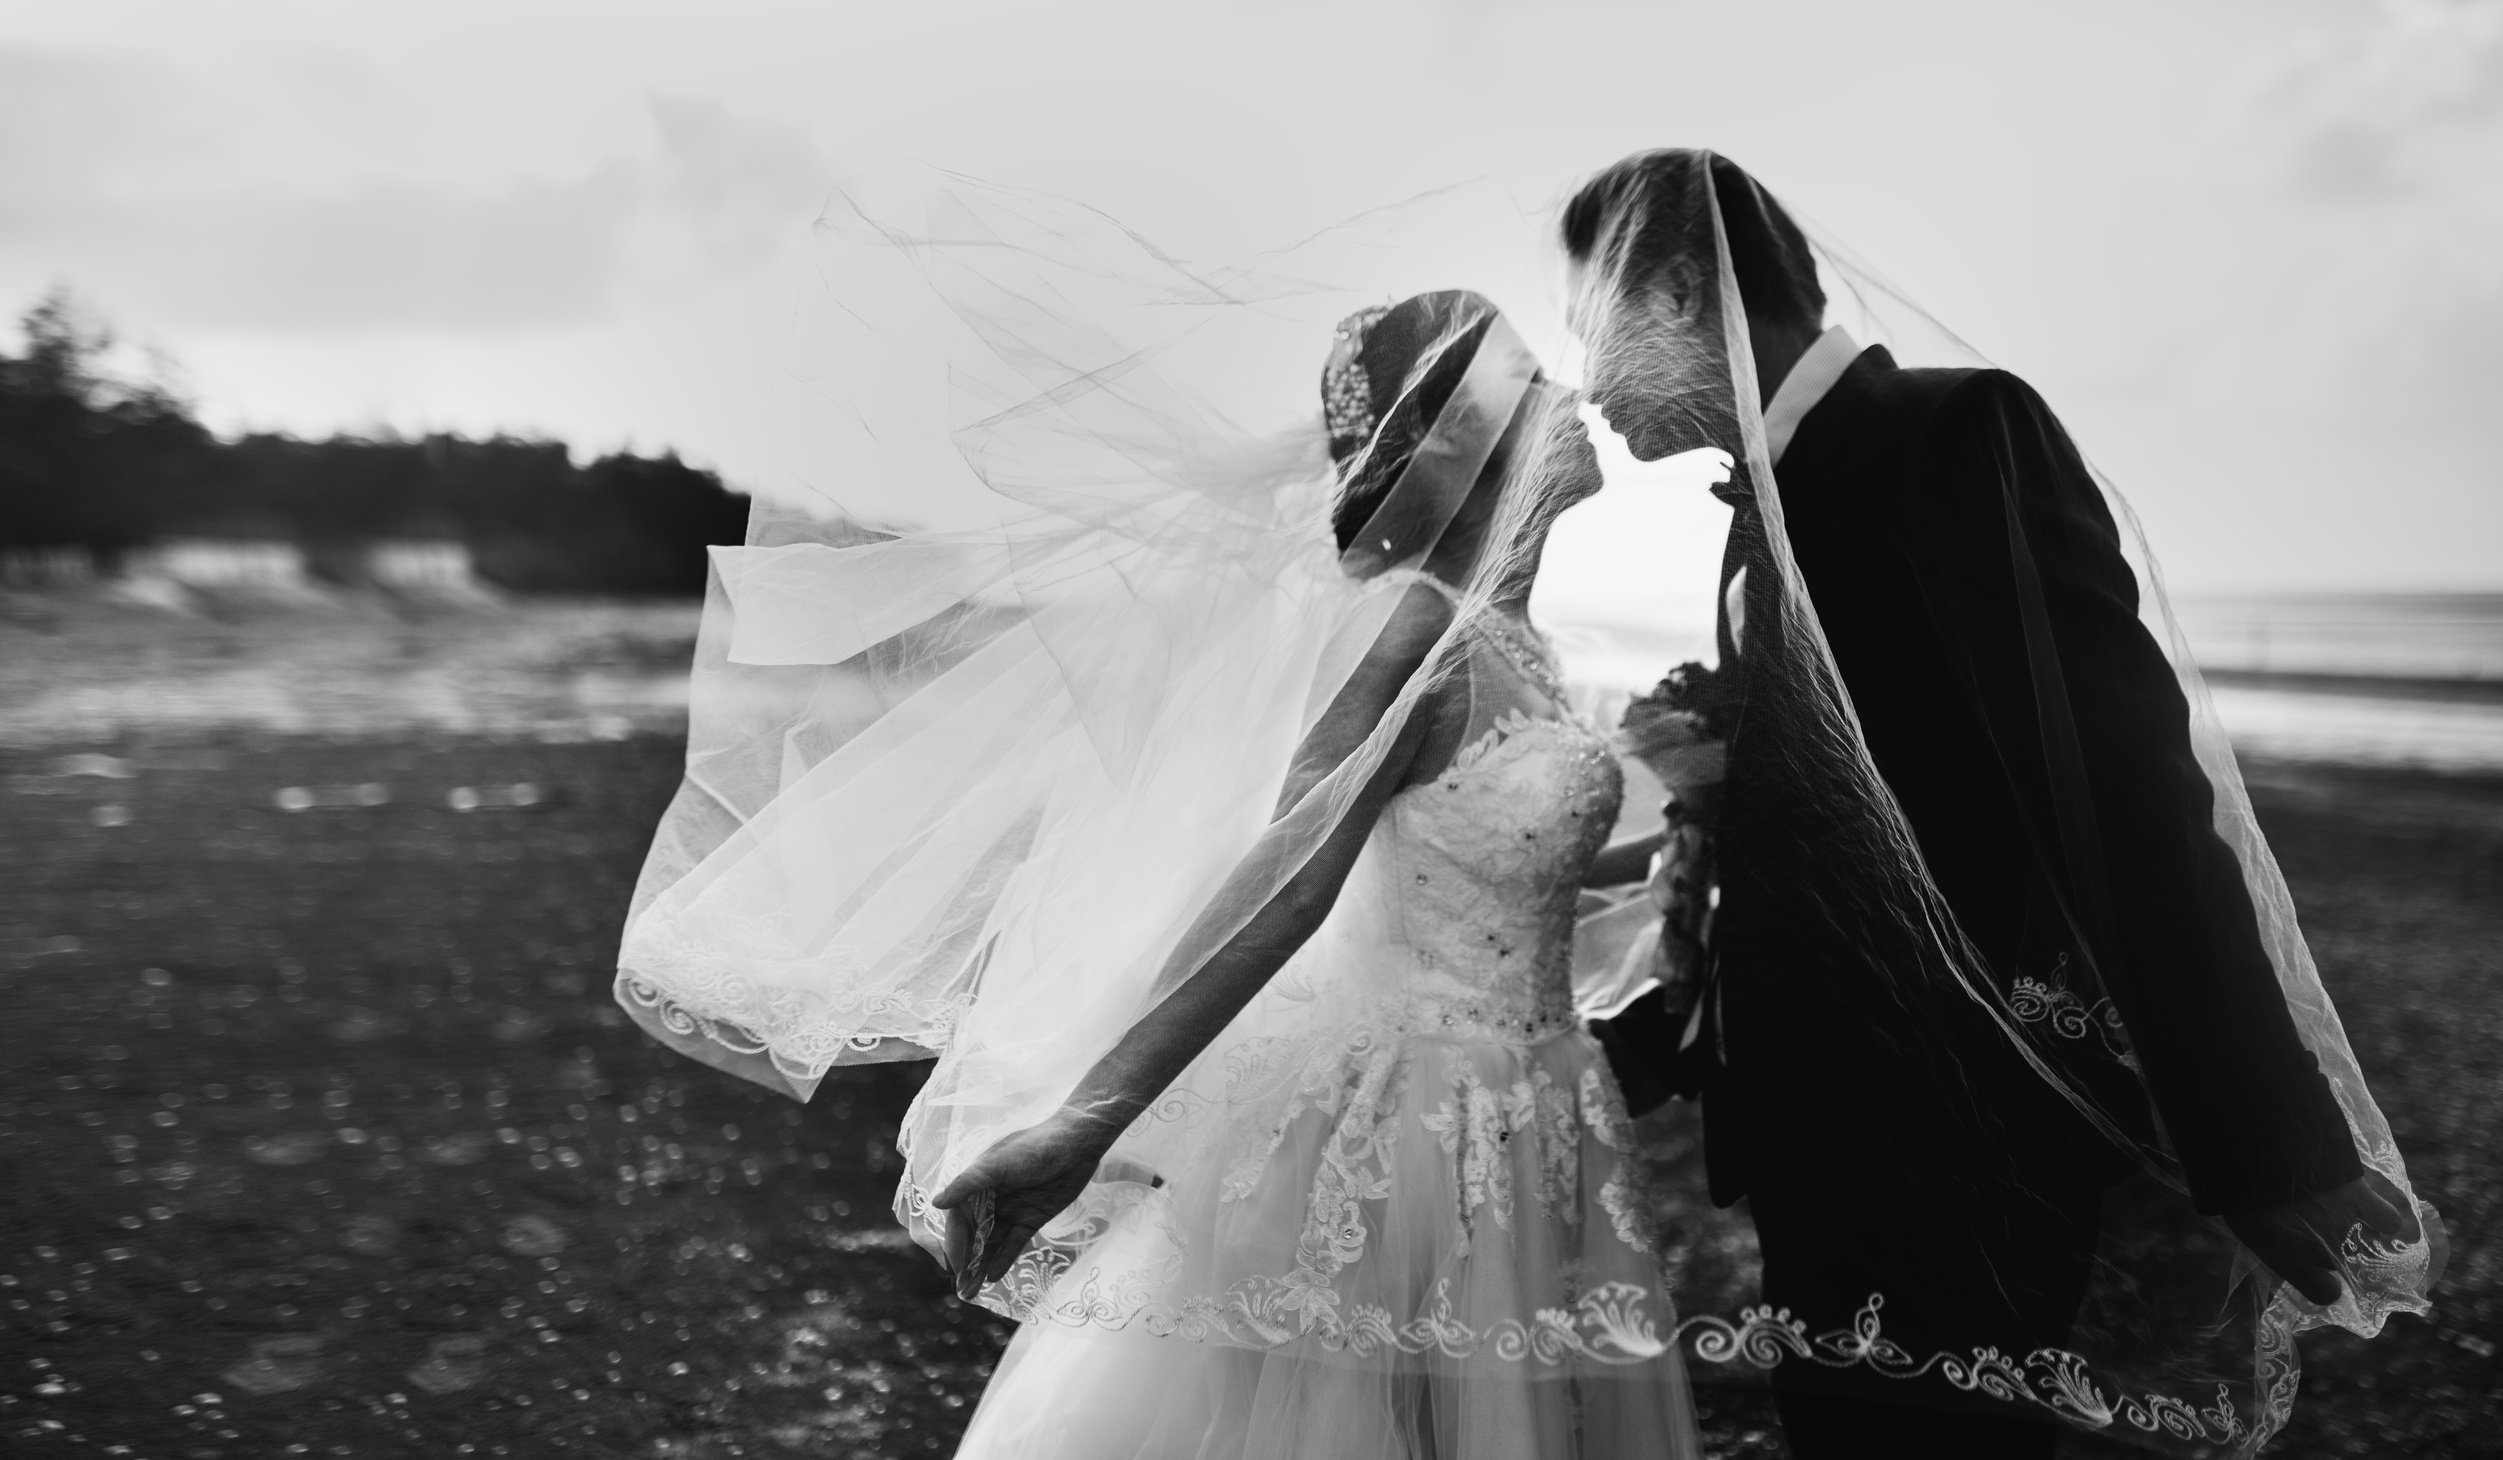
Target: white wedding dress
point(1394, 1210)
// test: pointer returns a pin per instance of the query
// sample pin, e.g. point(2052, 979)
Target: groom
point(1954, 544)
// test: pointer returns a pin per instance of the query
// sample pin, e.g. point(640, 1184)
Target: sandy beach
point(327, 1139)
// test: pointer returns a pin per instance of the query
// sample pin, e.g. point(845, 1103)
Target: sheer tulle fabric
point(986, 794)
point(2181, 1343)
point(1038, 803)
point(1064, 1393)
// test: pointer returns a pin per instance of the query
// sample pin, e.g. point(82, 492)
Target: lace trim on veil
point(802, 1043)
point(1358, 1082)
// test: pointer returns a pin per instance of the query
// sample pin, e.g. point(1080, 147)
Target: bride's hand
point(999, 1202)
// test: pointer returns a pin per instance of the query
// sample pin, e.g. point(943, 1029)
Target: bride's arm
point(1625, 862)
point(1037, 1172)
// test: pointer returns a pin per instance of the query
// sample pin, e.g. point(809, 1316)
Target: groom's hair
point(1775, 268)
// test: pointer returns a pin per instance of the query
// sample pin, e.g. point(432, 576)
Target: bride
point(1216, 819)
point(1426, 1240)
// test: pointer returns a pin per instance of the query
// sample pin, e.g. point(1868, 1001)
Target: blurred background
point(380, 374)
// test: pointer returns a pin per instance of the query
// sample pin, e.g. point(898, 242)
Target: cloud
point(527, 254)
point(737, 188)
point(2357, 204)
point(162, 196)
point(2408, 102)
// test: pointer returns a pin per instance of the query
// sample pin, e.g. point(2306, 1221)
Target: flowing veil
point(2183, 1343)
point(984, 792)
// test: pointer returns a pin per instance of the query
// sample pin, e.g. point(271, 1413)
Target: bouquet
point(1680, 732)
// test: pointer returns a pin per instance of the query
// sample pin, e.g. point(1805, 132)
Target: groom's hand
point(1639, 1025)
point(2299, 1239)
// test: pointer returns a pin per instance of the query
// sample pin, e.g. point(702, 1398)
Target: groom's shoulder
point(1981, 397)
point(1928, 409)
point(1881, 409)
point(1890, 419)
point(1918, 396)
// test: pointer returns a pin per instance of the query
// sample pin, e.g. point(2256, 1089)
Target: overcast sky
point(2251, 249)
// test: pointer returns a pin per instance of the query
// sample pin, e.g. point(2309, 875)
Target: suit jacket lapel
point(1747, 544)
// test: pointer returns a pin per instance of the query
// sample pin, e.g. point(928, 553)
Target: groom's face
point(1627, 328)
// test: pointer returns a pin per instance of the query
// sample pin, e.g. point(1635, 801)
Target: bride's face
point(1563, 469)
point(1547, 449)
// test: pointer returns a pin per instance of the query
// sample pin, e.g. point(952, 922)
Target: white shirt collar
point(1809, 379)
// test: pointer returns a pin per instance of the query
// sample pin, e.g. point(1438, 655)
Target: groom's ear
point(1592, 293)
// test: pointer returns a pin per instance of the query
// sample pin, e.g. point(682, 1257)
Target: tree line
point(93, 459)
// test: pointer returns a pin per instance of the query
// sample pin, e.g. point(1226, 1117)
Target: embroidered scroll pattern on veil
point(2051, 1003)
point(2050, 1378)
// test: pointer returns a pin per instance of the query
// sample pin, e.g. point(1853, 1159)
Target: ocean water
point(2359, 679)
point(2440, 636)
point(2411, 681)
point(2396, 680)
point(2351, 729)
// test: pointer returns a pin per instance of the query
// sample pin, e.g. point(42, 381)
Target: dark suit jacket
point(1914, 501)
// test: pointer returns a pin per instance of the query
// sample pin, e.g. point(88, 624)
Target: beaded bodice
point(1480, 869)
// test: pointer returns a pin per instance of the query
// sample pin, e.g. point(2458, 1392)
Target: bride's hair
point(1390, 374)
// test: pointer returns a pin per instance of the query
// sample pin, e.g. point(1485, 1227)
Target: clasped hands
point(2300, 1239)
point(996, 1205)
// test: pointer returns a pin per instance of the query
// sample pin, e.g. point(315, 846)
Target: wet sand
point(323, 1137)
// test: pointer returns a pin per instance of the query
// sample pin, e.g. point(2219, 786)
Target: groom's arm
point(2242, 1098)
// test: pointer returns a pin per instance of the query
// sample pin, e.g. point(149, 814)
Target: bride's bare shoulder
point(1400, 651)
